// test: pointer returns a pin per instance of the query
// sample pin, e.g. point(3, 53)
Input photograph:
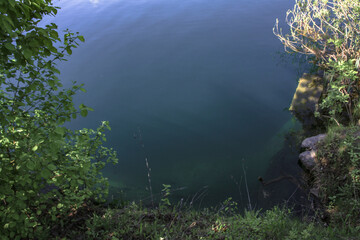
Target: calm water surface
point(192, 85)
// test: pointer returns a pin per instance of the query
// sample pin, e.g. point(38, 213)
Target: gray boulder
point(310, 143)
point(307, 159)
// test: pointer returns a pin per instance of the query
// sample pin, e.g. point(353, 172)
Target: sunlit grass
point(134, 221)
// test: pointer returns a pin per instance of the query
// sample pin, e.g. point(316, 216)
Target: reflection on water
point(199, 79)
point(95, 1)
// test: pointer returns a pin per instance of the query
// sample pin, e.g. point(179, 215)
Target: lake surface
point(194, 86)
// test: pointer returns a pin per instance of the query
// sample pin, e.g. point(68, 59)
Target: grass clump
point(338, 175)
point(133, 221)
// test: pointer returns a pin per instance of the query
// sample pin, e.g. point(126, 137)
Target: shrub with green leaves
point(325, 29)
point(329, 32)
point(341, 98)
point(47, 171)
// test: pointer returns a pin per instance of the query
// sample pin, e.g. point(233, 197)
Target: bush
point(47, 171)
point(329, 32)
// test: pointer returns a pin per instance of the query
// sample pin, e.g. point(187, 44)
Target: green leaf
point(35, 148)
point(10, 46)
point(7, 26)
point(12, 3)
point(45, 173)
point(68, 50)
point(81, 38)
point(53, 49)
point(84, 112)
point(51, 83)
point(30, 165)
point(52, 167)
point(56, 70)
point(60, 130)
point(82, 106)
point(54, 34)
point(28, 53)
point(34, 43)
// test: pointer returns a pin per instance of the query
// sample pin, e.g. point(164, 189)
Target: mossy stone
point(306, 98)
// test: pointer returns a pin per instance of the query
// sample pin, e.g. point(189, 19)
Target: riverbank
point(132, 221)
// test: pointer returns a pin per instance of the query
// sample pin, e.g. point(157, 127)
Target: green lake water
point(194, 86)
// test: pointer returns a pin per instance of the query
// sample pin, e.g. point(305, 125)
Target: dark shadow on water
point(283, 182)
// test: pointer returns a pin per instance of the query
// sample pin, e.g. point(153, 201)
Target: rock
point(315, 192)
point(310, 143)
point(306, 98)
point(308, 159)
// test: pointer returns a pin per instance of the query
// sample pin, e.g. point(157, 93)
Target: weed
point(338, 175)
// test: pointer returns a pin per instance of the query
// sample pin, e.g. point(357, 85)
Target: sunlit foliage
point(47, 171)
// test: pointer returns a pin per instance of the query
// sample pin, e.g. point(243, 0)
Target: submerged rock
point(306, 98)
